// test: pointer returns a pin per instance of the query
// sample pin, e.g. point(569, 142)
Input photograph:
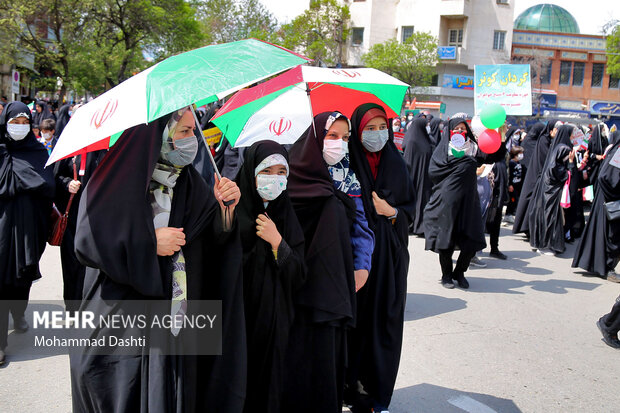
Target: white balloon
point(476, 126)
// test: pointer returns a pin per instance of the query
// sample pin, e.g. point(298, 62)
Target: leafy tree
point(613, 51)
point(320, 32)
point(230, 20)
point(413, 62)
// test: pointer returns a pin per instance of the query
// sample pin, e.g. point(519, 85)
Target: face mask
point(70, 113)
point(17, 132)
point(269, 187)
point(520, 156)
point(374, 140)
point(46, 136)
point(334, 150)
point(185, 152)
point(428, 129)
point(395, 128)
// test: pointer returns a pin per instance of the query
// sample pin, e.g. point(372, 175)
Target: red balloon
point(489, 141)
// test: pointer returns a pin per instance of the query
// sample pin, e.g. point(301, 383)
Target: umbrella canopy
point(283, 107)
point(199, 76)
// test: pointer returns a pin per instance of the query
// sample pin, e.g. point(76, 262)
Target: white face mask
point(520, 156)
point(269, 187)
point(396, 128)
point(47, 136)
point(16, 131)
point(374, 140)
point(334, 150)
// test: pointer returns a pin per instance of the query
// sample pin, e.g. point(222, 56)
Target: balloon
point(489, 141)
point(476, 125)
point(493, 115)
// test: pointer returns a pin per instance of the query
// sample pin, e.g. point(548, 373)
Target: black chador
point(325, 305)
point(418, 151)
point(375, 343)
point(269, 282)
point(116, 240)
point(599, 247)
point(546, 218)
point(533, 174)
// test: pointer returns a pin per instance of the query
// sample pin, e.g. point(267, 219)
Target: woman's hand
point(382, 207)
point(226, 190)
point(266, 229)
point(169, 240)
point(361, 276)
point(74, 187)
point(571, 156)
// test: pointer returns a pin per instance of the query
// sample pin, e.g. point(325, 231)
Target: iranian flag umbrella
point(199, 76)
point(282, 108)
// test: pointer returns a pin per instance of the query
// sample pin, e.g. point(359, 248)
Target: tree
point(320, 33)
point(613, 51)
point(413, 62)
point(539, 65)
point(230, 20)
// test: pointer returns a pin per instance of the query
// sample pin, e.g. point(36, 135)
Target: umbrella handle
point(217, 172)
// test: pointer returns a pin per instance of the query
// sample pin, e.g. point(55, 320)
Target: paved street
point(522, 339)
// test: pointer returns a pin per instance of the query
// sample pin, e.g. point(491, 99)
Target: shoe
point(498, 254)
point(613, 277)
point(20, 324)
point(447, 283)
point(2, 357)
point(461, 281)
point(547, 252)
point(610, 339)
point(477, 262)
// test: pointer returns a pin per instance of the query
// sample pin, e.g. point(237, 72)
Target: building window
point(578, 69)
point(502, 1)
point(498, 40)
point(613, 82)
point(545, 74)
point(565, 69)
point(357, 37)
point(407, 32)
point(455, 37)
point(597, 74)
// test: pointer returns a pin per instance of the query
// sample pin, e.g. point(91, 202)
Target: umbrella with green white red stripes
point(282, 108)
point(199, 76)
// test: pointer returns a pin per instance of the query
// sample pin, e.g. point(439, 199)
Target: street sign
point(447, 52)
point(15, 77)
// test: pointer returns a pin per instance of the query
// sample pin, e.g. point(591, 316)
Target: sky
point(590, 14)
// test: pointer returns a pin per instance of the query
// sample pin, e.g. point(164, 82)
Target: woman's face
point(378, 123)
point(185, 126)
point(38, 108)
point(338, 130)
point(22, 120)
point(460, 128)
point(274, 170)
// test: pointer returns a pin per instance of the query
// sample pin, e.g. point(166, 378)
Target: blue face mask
point(374, 140)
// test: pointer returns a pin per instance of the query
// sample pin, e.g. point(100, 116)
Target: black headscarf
point(62, 120)
point(563, 136)
point(435, 134)
point(529, 143)
point(26, 191)
point(46, 113)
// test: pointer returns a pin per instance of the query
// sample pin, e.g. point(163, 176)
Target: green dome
point(547, 18)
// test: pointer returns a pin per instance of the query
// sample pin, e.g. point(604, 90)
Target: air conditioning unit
point(502, 1)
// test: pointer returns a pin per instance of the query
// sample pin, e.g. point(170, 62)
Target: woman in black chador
point(533, 173)
point(26, 192)
point(149, 228)
point(546, 217)
point(598, 250)
point(418, 151)
point(388, 197)
point(273, 269)
point(529, 144)
point(325, 305)
point(452, 216)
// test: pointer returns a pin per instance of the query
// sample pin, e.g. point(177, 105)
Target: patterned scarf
point(161, 191)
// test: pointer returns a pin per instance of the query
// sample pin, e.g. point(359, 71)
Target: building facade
point(569, 76)
point(470, 32)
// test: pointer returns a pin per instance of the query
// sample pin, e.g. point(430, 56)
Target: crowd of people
point(306, 245)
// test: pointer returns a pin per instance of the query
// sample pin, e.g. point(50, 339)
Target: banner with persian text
point(508, 85)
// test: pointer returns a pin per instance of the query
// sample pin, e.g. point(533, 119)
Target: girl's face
point(38, 108)
point(185, 126)
point(378, 123)
point(460, 128)
point(274, 170)
point(338, 130)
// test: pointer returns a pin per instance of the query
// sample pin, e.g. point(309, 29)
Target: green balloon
point(493, 116)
